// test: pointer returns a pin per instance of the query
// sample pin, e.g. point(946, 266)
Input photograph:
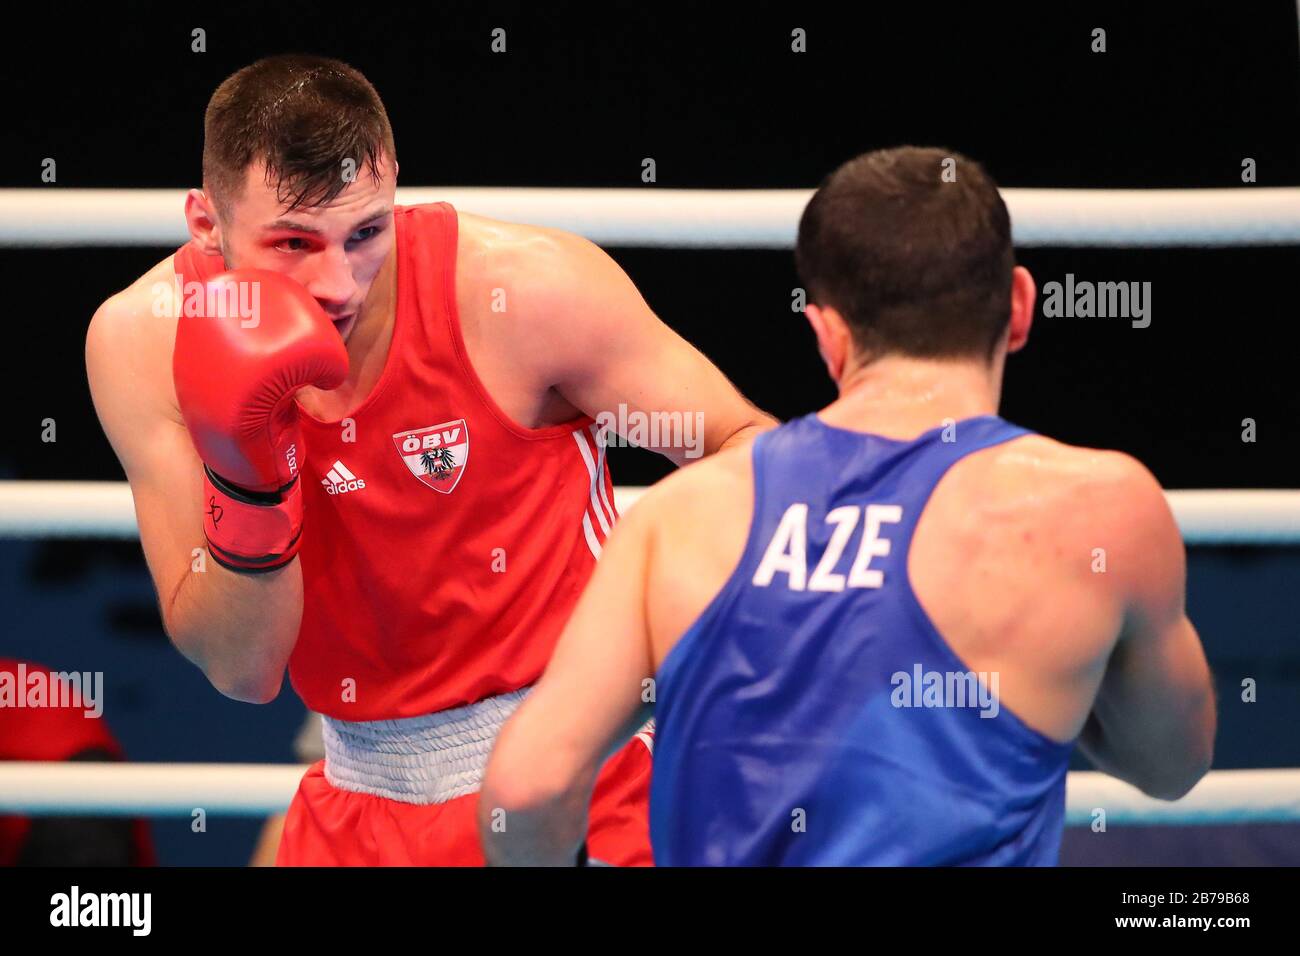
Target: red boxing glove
point(258, 338)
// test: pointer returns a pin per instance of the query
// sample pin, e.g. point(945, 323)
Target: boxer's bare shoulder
point(511, 274)
point(1027, 558)
point(555, 328)
point(141, 295)
point(129, 360)
point(532, 302)
point(1036, 482)
point(696, 522)
point(703, 488)
point(131, 336)
point(487, 248)
point(1056, 512)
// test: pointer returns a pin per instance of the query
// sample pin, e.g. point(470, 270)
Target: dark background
point(1183, 94)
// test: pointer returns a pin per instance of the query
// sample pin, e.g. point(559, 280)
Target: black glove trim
point(246, 496)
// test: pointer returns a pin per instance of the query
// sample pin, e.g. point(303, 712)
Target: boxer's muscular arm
point(603, 346)
point(1153, 721)
point(239, 629)
point(590, 702)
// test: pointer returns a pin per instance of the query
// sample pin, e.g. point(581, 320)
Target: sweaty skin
point(574, 336)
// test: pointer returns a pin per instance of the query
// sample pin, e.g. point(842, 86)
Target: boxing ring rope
point(71, 509)
point(178, 789)
point(702, 218)
point(104, 509)
point(648, 216)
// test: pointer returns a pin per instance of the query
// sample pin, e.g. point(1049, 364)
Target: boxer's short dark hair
point(917, 265)
point(303, 116)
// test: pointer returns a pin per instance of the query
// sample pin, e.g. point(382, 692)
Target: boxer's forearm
point(547, 832)
point(239, 629)
point(532, 808)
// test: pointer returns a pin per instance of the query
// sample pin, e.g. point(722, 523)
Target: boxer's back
point(997, 545)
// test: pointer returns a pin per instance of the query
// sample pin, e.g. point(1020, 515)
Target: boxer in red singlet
point(388, 475)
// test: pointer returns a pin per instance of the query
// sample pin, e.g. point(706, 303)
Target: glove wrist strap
point(251, 532)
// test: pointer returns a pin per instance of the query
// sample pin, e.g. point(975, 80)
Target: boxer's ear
point(201, 217)
point(830, 331)
point(1024, 291)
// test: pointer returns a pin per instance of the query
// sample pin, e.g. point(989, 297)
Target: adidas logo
point(339, 481)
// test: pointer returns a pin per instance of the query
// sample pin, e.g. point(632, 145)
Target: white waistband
point(429, 759)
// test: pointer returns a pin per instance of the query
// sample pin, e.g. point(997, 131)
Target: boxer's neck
point(901, 398)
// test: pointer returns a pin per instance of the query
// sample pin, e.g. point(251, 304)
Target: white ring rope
point(1222, 796)
point(702, 218)
point(146, 789)
point(104, 509)
point(177, 789)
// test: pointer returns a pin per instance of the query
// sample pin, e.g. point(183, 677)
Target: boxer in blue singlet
point(876, 636)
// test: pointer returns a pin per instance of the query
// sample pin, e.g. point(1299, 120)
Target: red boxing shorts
point(328, 825)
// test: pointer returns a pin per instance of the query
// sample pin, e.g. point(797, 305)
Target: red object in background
point(55, 734)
